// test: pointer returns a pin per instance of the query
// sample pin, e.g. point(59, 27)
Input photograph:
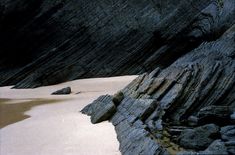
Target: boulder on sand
point(63, 91)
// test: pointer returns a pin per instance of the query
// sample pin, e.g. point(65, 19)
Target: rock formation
point(171, 110)
point(163, 109)
point(183, 102)
point(63, 91)
point(48, 42)
point(101, 109)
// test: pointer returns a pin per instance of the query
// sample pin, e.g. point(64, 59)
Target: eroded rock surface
point(200, 137)
point(63, 91)
point(161, 106)
point(216, 148)
point(101, 109)
point(184, 51)
point(60, 40)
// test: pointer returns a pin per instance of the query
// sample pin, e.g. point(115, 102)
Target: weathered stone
point(215, 114)
point(118, 97)
point(182, 43)
point(88, 110)
point(134, 139)
point(63, 91)
point(230, 146)
point(101, 109)
point(158, 125)
point(198, 138)
point(176, 130)
point(195, 87)
point(63, 40)
point(155, 125)
point(188, 153)
point(228, 133)
point(232, 116)
point(177, 95)
point(192, 121)
point(217, 147)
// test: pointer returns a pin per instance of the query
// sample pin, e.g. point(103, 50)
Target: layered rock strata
point(48, 42)
point(186, 108)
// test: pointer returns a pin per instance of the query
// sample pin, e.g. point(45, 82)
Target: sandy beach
point(33, 122)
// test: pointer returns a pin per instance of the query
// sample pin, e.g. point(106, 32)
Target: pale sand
point(54, 125)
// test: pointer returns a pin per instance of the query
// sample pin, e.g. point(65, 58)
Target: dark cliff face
point(63, 40)
point(186, 104)
point(186, 108)
point(47, 42)
point(185, 99)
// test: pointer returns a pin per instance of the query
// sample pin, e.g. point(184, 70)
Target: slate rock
point(62, 40)
point(101, 109)
point(140, 108)
point(202, 78)
point(63, 91)
point(158, 125)
point(188, 153)
point(216, 148)
point(214, 114)
point(182, 42)
point(228, 133)
point(88, 110)
point(198, 138)
point(176, 130)
point(230, 146)
point(232, 116)
point(193, 121)
point(135, 139)
point(118, 97)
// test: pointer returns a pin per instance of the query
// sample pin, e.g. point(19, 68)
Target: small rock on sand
point(64, 91)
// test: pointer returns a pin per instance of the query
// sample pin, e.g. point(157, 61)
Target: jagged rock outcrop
point(101, 109)
point(160, 107)
point(61, 40)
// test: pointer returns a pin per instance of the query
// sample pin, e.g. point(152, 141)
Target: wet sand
point(14, 112)
point(33, 122)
